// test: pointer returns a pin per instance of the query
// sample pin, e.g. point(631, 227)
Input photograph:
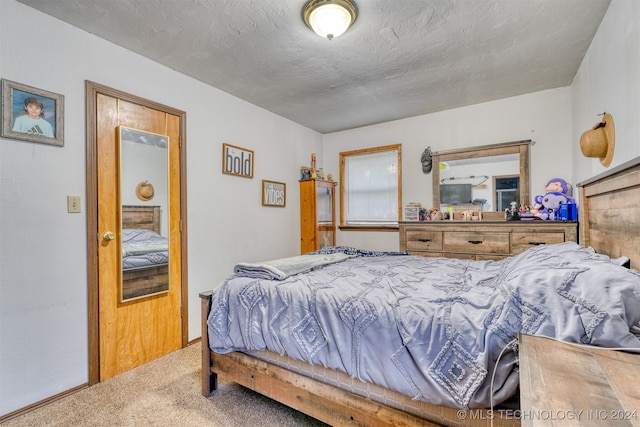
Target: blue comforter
point(143, 248)
point(432, 329)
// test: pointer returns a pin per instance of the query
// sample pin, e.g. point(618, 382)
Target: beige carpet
point(165, 392)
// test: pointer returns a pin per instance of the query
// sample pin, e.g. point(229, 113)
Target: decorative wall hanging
point(600, 140)
point(426, 160)
point(237, 161)
point(32, 114)
point(145, 191)
point(274, 193)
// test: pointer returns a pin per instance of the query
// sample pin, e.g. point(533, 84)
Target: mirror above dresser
point(486, 178)
point(493, 176)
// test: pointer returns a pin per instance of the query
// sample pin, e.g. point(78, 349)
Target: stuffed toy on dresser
point(547, 206)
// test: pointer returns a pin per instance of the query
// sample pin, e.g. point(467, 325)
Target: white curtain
point(372, 188)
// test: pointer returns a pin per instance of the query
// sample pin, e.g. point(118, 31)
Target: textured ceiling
point(400, 59)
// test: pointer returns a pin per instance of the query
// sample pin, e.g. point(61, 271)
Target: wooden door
point(134, 331)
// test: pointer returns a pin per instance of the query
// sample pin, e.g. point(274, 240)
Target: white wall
point(139, 163)
point(606, 81)
point(43, 273)
point(543, 117)
point(609, 80)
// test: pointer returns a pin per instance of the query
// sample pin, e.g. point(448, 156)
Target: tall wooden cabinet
point(317, 214)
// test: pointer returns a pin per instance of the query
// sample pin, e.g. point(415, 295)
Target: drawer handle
point(536, 243)
point(424, 240)
point(474, 242)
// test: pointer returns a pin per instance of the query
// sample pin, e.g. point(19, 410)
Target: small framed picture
point(237, 161)
point(274, 193)
point(32, 114)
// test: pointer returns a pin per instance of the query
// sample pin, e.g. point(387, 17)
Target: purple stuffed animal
point(547, 206)
point(550, 205)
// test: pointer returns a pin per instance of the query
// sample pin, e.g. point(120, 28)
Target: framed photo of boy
point(274, 193)
point(32, 114)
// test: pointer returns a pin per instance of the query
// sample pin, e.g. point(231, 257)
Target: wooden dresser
point(481, 240)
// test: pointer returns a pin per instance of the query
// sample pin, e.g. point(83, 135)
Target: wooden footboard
point(323, 401)
point(209, 378)
point(319, 400)
point(145, 281)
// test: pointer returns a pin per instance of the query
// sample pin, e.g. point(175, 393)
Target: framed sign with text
point(237, 161)
point(274, 193)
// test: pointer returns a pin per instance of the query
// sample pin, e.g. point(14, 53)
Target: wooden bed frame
point(609, 208)
point(146, 280)
point(146, 217)
point(609, 214)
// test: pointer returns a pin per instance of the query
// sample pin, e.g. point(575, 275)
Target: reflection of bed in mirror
point(145, 254)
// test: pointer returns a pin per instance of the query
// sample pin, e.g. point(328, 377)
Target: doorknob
point(109, 235)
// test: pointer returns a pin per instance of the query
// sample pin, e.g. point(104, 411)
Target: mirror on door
point(144, 190)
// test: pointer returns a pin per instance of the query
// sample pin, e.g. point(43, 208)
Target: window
point(371, 187)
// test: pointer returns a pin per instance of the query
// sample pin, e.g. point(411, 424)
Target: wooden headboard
point(609, 212)
point(147, 217)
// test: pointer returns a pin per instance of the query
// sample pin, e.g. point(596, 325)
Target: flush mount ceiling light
point(329, 18)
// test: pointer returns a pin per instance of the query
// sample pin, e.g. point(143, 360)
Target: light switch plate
point(73, 204)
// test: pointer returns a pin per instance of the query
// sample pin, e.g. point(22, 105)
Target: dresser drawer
point(426, 254)
point(421, 240)
point(474, 256)
point(520, 242)
point(481, 240)
point(476, 242)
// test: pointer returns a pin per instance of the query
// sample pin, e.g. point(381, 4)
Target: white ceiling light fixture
point(329, 18)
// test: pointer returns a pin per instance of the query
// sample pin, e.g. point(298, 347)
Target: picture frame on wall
point(274, 193)
point(32, 114)
point(237, 161)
